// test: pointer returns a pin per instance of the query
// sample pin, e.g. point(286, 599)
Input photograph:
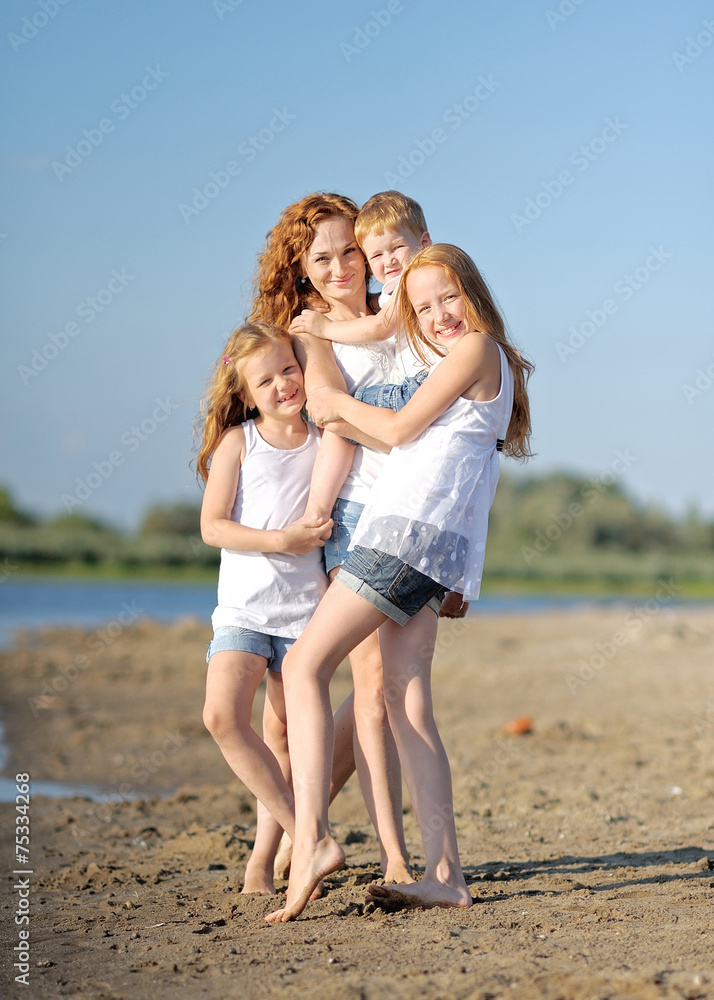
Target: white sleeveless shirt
point(273, 593)
point(430, 504)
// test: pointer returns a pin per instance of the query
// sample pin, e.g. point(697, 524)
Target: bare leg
point(342, 620)
point(343, 767)
point(377, 759)
point(231, 683)
point(407, 656)
point(259, 869)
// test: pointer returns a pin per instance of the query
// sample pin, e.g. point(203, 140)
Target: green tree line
point(557, 528)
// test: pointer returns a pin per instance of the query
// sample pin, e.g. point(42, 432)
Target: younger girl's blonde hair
point(223, 403)
point(482, 314)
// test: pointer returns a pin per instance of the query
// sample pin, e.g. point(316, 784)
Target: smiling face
point(389, 252)
point(439, 306)
point(334, 262)
point(273, 382)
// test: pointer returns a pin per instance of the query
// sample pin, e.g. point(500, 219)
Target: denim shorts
point(230, 638)
point(345, 515)
point(389, 396)
point(397, 590)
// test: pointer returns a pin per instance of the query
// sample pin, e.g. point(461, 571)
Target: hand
point(312, 322)
point(454, 606)
point(298, 538)
point(323, 405)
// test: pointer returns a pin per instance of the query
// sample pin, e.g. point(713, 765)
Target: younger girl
point(271, 576)
point(423, 530)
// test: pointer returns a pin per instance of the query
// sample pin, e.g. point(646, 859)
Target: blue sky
point(148, 148)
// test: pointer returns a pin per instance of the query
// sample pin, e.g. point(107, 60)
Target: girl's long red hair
point(482, 314)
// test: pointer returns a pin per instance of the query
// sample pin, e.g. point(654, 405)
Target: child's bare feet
point(427, 893)
point(306, 872)
point(281, 865)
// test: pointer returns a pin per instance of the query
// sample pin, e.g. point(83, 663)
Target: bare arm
point(474, 359)
point(318, 362)
point(219, 530)
point(351, 331)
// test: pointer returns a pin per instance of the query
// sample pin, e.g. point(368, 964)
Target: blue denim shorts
point(345, 515)
point(397, 590)
point(231, 639)
point(389, 396)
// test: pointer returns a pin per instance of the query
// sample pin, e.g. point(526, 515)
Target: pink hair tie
point(226, 361)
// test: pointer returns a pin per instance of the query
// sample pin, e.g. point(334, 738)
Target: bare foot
point(319, 891)
point(427, 893)
point(306, 872)
point(258, 882)
point(281, 865)
point(399, 871)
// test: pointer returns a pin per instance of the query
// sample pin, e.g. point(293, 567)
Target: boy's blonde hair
point(389, 210)
point(482, 314)
point(223, 403)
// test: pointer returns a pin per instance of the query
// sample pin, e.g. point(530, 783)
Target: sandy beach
point(587, 844)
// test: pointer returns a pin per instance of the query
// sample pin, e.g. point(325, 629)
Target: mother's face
point(334, 262)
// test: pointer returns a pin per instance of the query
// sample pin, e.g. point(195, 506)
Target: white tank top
point(273, 593)
point(430, 504)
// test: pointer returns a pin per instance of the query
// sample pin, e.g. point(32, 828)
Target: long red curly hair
point(278, 295)
point(482, 314)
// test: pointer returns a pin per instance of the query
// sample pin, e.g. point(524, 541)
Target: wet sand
point(587, 844)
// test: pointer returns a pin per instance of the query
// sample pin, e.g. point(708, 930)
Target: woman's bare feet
point(306, 872)
point(427, 893)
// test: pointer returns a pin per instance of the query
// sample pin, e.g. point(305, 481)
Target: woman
point(311, 260)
